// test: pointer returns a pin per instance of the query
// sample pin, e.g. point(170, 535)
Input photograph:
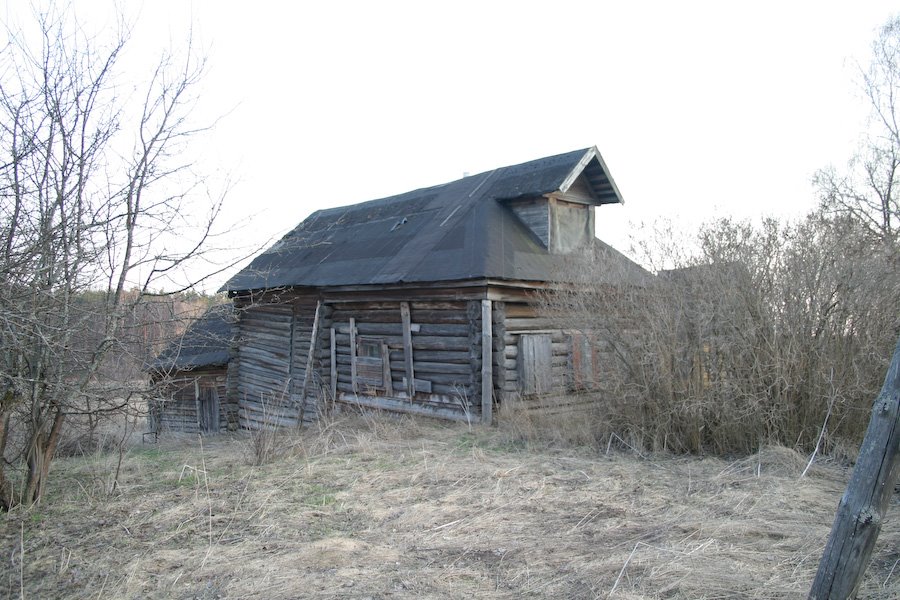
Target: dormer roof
point(454, 231)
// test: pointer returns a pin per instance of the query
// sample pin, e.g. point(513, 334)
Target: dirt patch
point(371, 509)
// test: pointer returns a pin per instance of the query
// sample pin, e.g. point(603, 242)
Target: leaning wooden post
point(307, 373)
point(487, 362)
point(862, 507)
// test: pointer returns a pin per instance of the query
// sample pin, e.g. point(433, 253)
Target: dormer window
point(571, 225)
point(563, 220)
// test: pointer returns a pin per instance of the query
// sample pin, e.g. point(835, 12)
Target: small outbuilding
point(420, 303)
point(189, 378)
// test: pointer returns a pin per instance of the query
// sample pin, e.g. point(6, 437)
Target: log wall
point(264, 357)
point(177, 408)
point(446, 355)
point(443, 333)
point(522, 319)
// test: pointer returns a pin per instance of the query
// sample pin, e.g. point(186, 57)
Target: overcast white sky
point(699, 108)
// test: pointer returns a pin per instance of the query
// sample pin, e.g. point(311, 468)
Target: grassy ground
point(404, 509)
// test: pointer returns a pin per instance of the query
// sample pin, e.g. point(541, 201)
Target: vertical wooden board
point(197, 405)
point(334, 375)
point(487, 378)
point(353, 355)
point(386, 366)
point(535, 362)
point(581, 362)
point(408, 349)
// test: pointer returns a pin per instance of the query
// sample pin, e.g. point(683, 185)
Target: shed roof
point(455, 231)
point(205, 343)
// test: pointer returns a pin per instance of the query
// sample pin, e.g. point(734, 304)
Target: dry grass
point(406, 509)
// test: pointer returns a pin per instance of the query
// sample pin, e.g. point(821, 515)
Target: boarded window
point(571, 226)
point(371, 354)
point(535, 364)
point(582, 362)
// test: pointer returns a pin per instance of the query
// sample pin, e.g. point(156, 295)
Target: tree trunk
point(6, 500)
point(861, 510)
point(39, 458)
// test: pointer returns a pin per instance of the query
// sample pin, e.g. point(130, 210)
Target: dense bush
point(753, 334)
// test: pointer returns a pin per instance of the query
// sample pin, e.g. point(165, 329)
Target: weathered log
point(419, 342)
point(515, 310)
point(435, 356)
point(527, 324)
point(861, 510)
point(449, 388)
point(349, 305)
point(499, 345)
point(431, 367)
point(395, 330)
point(439, 317)
point(367, 316)
point(404, 406)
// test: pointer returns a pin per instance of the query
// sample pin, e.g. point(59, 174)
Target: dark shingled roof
point(204, 344)
point(455, 231)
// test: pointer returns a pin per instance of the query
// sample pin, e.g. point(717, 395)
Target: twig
point(208, 502)
point(891, 572)
point(815, 451)
point(622, 572)
point(22, 559)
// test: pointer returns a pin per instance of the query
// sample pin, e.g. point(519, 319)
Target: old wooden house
point(419, 303)
point(190, 378)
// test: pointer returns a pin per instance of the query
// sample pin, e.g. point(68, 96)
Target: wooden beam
point(353, 355)
point(408, 349)
point(401, 405)
point(862, 508)
point(487, 377)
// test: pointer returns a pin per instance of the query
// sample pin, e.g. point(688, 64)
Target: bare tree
point(93, 197)
point(868, 190)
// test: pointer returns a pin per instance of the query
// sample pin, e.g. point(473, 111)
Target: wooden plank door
point(209, 410)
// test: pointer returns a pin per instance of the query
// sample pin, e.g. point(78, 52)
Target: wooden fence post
point(862, 507)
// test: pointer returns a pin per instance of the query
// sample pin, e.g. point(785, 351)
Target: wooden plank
point(487, 379)
point(386, 373)
point(408, 348)
point(353, 355)
point(333, 367)
point(309, 360)
point(535, 364)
